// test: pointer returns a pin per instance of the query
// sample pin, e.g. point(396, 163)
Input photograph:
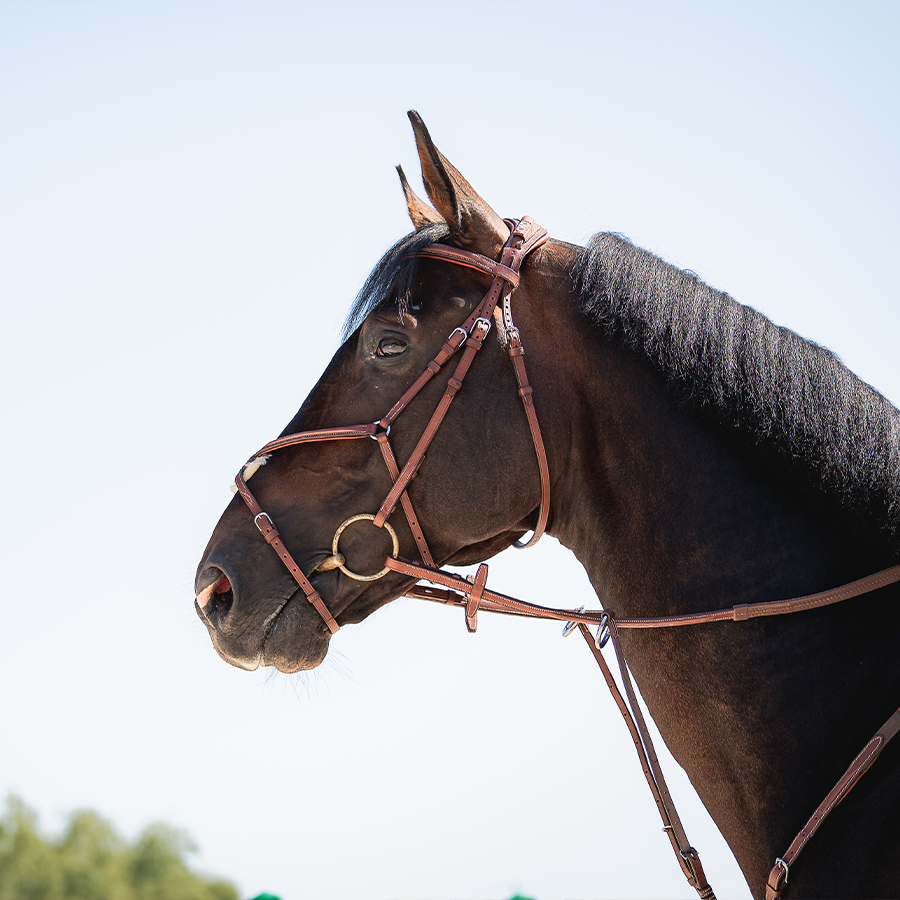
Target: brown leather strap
point(778, 877)
point(517, 355)
point(325, 434)
point(526, 236)
point(744, 611)
point(268, 530)
point(496, 602)
point(687, 856)
point(411, 518)
point(451, 345)
point(474, 598)
point(471, 260)
point(491, 601)
point(454, 383)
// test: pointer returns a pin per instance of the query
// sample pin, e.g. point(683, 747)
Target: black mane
point(787, 394)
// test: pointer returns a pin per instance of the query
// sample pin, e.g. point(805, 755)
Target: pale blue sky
point(189, 189)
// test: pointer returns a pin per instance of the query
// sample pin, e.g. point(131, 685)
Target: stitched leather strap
point(503, 604)
point(744, 611)
point(471, 260)
point(414, 527)
point(268, 530)
point(778, 877)
point(687, 856)
point(517, 355)
point(454, 383)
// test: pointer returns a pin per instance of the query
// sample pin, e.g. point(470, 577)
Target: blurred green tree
point(90, 861)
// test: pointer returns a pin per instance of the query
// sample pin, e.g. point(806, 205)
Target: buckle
point(780, 862)
point(262, 527)
point(485, 323)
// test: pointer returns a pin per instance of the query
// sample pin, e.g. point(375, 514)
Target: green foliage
point(90, 861)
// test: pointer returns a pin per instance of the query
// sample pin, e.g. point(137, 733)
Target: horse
point(686, 449)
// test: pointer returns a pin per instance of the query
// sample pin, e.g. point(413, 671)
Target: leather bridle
point(472, 594)
point(525, 236)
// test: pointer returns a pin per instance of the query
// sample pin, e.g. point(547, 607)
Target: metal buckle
point(601, 639)
point(569, 627)
point(689, 856)
point(461, 330)
point(780, 862)
point(487, 326)
point(256, 521)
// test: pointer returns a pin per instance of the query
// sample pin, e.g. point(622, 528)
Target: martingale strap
point(778, 877)
point(459, 591)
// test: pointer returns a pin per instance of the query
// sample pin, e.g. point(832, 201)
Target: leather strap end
point(777, 882)
point(473, 600)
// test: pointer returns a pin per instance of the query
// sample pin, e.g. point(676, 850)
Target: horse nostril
point(222, 599)
point(215, 594)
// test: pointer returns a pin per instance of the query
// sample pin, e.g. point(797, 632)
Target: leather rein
point(472, 594)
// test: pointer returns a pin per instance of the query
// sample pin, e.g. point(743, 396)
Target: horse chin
point(290, 646)
point(288, 641)
point(293, 642)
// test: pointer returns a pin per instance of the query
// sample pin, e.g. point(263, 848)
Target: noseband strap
point(525, 235)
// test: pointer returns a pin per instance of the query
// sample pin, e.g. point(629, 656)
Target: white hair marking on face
point(251, 468)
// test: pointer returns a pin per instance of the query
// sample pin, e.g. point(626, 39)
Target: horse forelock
point(391, 281)
point(792, 398)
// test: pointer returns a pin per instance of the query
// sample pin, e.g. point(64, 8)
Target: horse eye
point(390, 347)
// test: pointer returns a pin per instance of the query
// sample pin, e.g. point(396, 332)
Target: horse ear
point(419, 211)
point(473, 224)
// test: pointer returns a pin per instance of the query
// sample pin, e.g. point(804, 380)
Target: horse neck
point(669, 513)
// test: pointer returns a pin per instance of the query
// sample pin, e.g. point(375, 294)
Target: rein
point(472, 594)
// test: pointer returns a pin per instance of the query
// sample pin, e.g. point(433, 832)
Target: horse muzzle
point(250, 631)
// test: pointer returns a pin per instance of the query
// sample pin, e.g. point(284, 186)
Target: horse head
point(475, 491)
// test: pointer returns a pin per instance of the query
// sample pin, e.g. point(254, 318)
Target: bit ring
point(337, 537)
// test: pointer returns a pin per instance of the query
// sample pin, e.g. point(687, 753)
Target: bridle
point(525, 236)
point(472, 594)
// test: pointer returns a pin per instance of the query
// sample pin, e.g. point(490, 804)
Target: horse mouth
point(277, 629)
point(292, 641)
